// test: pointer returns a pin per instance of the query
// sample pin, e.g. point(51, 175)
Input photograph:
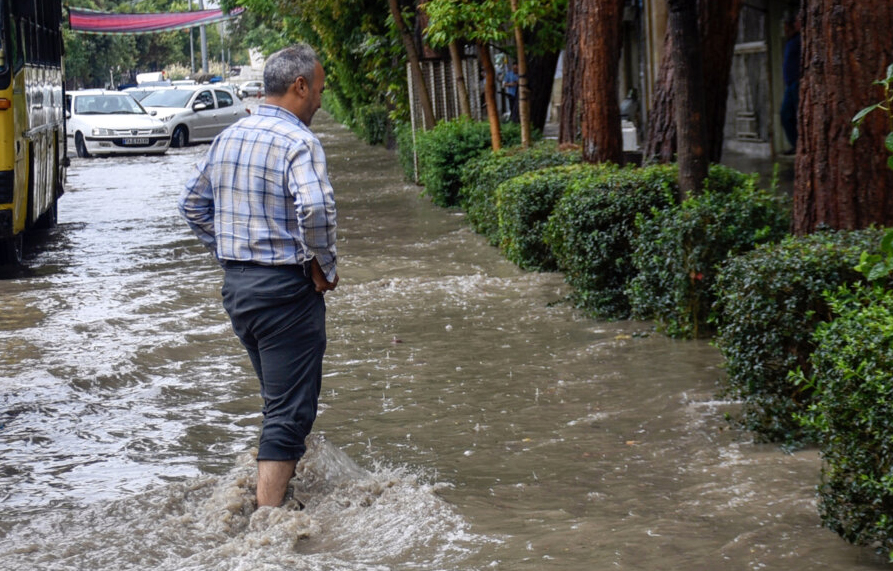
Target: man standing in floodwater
point(261, 201)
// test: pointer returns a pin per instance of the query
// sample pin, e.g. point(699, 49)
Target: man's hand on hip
point(319, 278)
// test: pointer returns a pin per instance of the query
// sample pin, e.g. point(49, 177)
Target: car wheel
point(81, 147)
point(180, 138)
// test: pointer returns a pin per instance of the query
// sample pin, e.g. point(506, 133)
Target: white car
point(251, 89)
point(102, 122)
point(195, 113)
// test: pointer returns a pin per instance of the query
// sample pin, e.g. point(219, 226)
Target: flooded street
point(469, 420)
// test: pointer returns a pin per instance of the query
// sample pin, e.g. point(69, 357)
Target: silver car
point(195, 113)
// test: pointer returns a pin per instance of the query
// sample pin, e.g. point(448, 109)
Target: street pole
point(191, 45)
point(204, 41)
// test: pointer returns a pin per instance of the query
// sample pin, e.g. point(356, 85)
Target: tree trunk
point(459, 74)
point(523, 88)
point(414, 65)
point(718, 29)
point(490, 96)
point(718, 25)
point(540, 78)
point(571, 91)
point(600, 45)
point(690, 125)
point(846, 47)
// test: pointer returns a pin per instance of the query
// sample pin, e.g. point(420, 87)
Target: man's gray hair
point(286, 65)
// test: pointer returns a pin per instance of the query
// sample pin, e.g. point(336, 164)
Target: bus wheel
point(48, 219)
point(180, 138)
point(11, 251)
point(81, 146)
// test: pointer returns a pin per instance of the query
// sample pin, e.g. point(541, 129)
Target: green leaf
point(890, 162)
point(887, 242)
point(889, 142)
point(854, 135)
point(879, 271)
point(861, 114)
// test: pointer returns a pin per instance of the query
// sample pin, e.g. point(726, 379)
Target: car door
point(204, 121)
point(229, 110)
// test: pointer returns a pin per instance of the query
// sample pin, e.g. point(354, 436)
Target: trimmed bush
point(444, 151)
point(592, 229)
point(373, 124)
point(405, 153)
point(853, 415)
point(477, 195)
point(770, 302)
point(678, 250)
point(523, 205)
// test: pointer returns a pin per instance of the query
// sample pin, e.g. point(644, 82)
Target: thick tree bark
point(691, 127)
point(490, 96)
point(600, 45)
point(459, 75)
point(718, 26)
point(846, 46)
point(414, 65)
point(571, 91)
point(523, 86)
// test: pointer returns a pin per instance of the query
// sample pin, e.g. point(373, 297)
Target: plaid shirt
point(262, 194)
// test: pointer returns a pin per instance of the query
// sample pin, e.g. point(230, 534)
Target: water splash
point(352, 518)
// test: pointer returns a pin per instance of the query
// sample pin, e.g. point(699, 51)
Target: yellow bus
point(32, 120)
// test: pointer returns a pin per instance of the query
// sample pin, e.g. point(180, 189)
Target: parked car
point(140, 92)
point(251, 89)
point(102, 122)
point(195, 113)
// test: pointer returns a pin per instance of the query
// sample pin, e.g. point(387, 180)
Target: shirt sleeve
point(196, 205)
point(308, 183)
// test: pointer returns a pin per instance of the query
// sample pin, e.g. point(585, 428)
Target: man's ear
point(301, 84)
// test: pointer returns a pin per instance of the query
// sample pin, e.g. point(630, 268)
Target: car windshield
point(107, 104)
point(167, 98)
point(138, 94)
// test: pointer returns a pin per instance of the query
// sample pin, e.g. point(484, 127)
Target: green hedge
point(678, 250)
point(524, 204)
point(853, 415)
point(770, 302)
point(405, 150)
point(477, 194)
point(592, 229)
point(373, 124)
point(444, 151)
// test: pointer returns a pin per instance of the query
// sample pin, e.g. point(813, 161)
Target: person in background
point(791, 75)
point(510, 84)
point(261, 201)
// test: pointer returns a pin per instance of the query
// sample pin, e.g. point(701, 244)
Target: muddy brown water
point(470, 419)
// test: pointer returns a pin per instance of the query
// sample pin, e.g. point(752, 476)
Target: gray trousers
point(280, 319)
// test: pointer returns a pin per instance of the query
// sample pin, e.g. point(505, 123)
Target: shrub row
point(679, 250)
point(484, 174)
point(444, 151)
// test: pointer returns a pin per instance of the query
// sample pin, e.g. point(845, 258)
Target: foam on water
point(353, 519)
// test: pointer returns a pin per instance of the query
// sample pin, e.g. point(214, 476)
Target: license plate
point(136, 141)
